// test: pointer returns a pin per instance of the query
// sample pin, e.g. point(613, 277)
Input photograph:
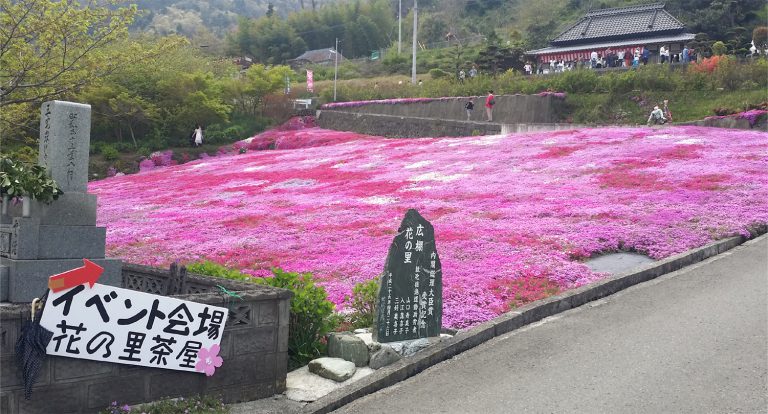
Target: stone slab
point(23, 240)
point(65, 137)
point(302, 385)
point(71, 242)
point(4, 271)
point(336, 369)
point(70, 209)
point(28, 279)
point(349, 347)
point(617, 262)
point(410, 297)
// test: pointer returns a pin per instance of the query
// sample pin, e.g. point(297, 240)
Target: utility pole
point(399, 27)
point(335, 67)
point(415, 36)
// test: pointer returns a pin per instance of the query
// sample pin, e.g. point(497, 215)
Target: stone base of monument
point(28, 279)
point(70, 209)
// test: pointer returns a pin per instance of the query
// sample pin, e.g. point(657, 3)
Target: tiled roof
point(319, 55)
point(620, 22)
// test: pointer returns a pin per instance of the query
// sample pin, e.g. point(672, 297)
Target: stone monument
point(55, 237)
point(410, 300)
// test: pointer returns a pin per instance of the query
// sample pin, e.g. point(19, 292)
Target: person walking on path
point(469, 106)
point(198, 134)
point(489, 103)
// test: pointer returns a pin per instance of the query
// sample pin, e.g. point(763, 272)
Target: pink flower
point(208, 360)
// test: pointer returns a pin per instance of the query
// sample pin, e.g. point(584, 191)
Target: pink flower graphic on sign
point(208, 360)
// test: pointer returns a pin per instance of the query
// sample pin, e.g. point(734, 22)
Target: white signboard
point(106, 323)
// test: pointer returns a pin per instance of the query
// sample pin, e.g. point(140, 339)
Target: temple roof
point(620, 23)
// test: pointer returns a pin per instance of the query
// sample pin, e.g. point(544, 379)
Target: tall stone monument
point(410, 300)
point(55, 237)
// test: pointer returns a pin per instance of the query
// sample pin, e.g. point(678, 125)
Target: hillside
point(514, 215)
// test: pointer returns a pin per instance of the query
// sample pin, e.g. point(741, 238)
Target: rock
point(407, 348)
point(302, 385)
point(348, 347)
point(373, 347)
point(336, 369)
point(366, 337)
point(361, 331)
point(383, 357)
point(412, 347)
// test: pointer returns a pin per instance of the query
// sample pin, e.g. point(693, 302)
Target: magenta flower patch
point(514, 216)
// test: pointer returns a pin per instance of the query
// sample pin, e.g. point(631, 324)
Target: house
point(617, 29)
point(315, 57)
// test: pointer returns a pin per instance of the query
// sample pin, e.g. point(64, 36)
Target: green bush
point(311, 315)
point(363, 302)
point(124, 146)
point(438, 73)
point(576, 81)
point(719, 48)
point(311, 312)
point(214, 269)
point(109, 152)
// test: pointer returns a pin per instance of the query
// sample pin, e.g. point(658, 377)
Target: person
point(462, 75)
point(490, 101)
point(685, 58)
point(662, 55)
point(593, 59)
point(657, 116)
point(469, 106)
point(472, 72)
point(198, 135)
point(636, 61)
point(527, 68)
point(667, 113)
point(644, 55)
point(620, 57)
point(420, 82)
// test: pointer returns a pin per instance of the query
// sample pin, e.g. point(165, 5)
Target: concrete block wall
point(395, 126)
point(509, 109)
point(254, 347)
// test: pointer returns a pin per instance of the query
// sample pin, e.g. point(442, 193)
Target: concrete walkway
point(692, 341)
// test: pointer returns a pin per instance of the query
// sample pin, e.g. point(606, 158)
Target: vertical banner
point(310, 81)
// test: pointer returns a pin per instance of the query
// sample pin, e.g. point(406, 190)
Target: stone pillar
point(59, 235)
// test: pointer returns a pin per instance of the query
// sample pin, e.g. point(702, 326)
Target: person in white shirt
point(657, 116)
point(593, 58)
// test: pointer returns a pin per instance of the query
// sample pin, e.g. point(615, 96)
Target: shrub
point(109, 152)
point(311, 311)
point(214, 269)
point(363, 302)
point(438, 73)
point(719, 48)
point(196, 404)
point(576, 81)
point(311, 315)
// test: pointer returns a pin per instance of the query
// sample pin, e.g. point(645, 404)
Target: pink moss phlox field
point(752, 116)
point(559, 95)
point(514, 215)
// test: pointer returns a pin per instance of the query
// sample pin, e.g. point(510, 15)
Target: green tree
point(258, 82)
point(51, 48)
point(760, 37)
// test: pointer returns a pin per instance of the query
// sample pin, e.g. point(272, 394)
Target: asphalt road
point(693, 341)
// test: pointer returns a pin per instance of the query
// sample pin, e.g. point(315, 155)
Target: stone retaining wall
point(254, 347)
point(400, 126)
point(509, 109)
point(394, 126)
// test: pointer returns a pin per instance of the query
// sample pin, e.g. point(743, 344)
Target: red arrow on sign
point(89, 273)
